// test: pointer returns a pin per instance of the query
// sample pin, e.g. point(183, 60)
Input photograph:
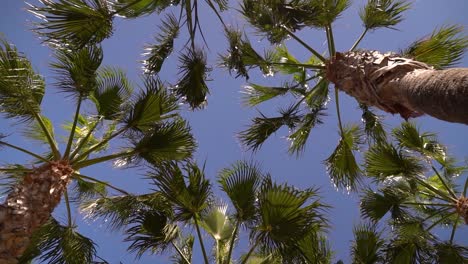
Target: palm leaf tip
point(138, 8)
point(341, 165)
point(383, 13)
point(368, 244)
point(21, 88)
point(192, 87)
point(77, 22)
point(442, 49)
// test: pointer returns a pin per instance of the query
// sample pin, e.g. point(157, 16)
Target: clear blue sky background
point(215, 127)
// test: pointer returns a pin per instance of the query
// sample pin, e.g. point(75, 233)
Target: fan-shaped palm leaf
point(186, 249)
point(442, 49)
point(151, 106)
point(54, 243)
point(299, 137)
point(192, 87)
point(240, 182)
point(451, 253)
point(85, 190)
point(383, 13)
point(21, 88)
point(76, 22)
point(133, 9)
point(375, 206)
point(367, 245)
point(111, 94)
point(373, 126)
point(341, 165)
point(157, 53)
point(255, 94)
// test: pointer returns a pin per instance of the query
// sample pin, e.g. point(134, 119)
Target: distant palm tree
point(146, 123)
point(285, 225)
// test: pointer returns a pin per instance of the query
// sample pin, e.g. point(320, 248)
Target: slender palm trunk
point(28, 206)
point(401, 85)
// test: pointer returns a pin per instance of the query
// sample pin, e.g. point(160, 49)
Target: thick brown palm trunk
point(401, 85)
point(29, 206)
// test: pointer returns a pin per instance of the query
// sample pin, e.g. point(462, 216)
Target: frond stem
point(66, 155)
point(307, 66)
point(338, 112)
point(330, 40)
point(359, 39)
point(180, 253)
point(309, 48)
point(466, 187)
point(444, 183)
point(231, 244)
point(51, 141)
point(124, 7)
point(217, 14)
point(435, 190)
point(90, 162)
point(439, 221)
point(452, 234)
point(77, 175)
point(15, 170)
point(67, 203)
point(250, 251)
point(429, 204)
point(437, 212)
point(85, 139)
point(24, 151)
point(200, 239)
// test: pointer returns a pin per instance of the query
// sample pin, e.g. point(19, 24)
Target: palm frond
point(341, 165)
point(444, 48)
point(327, 11)
point(167, 141)
point(151, 106)
point(285, 61)
point(187, 198)
point(242, 56)
point(313, 248)
point(10, 177)
point(263, 127)
point(317, 97)
point(255, 94)
point(285, 214)
point(35, 132)
point(134, 9)
point(451, 253)
point(367, 245)
point(86, 190)
point(157, 53)
point(186, 248)
point(375, 206)
point(77, 69)
point(192, 87)
point(385, 160)
point(118, 210)
point(21, 88)
point(241, 182)
point(383, 13)
point(54, 243)
point(299, 136)
point(216, 222)
point(111, 94)
point(150, 231)
point(409, 136)
point(373, 126)
point(77, 22)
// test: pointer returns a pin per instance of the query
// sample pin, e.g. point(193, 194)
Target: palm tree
point(284, 224)
point(144, 123)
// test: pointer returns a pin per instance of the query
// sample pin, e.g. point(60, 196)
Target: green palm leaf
point(255, 94)
point(85, 190)
point(299, 137)
point(157, 53)
point(240, 182)
point(313, 248)
point(367, 245)
point(451, 253)
point(186, 248)
point(187, 198)
point(112, 92)
point(285, 215)
point(375, 206)
point(21, 89)
point(341, 165)
point(317, 97)
point(216, 222)
point(76, 22)
point(133, 9)
point(373, 126)
point(167, 141)
point(77, 69)
point(442, 49)
point(35, 132)
point(383, 13)
point(151, 106)
point(385, 160)
point(54, 243)
point(328, 11)
point(192, 87)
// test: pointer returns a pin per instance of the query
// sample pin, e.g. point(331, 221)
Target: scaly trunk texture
point(462, 208)
point(401, 85)
point(29, 206)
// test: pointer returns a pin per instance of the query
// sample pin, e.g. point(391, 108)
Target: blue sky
point(216, 126)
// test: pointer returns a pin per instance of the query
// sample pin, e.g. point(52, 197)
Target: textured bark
point(462, 208)
point(401, 85)
point(29, 206)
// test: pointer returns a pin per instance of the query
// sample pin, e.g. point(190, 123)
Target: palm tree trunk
point(401, 85)
point(28, 206)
